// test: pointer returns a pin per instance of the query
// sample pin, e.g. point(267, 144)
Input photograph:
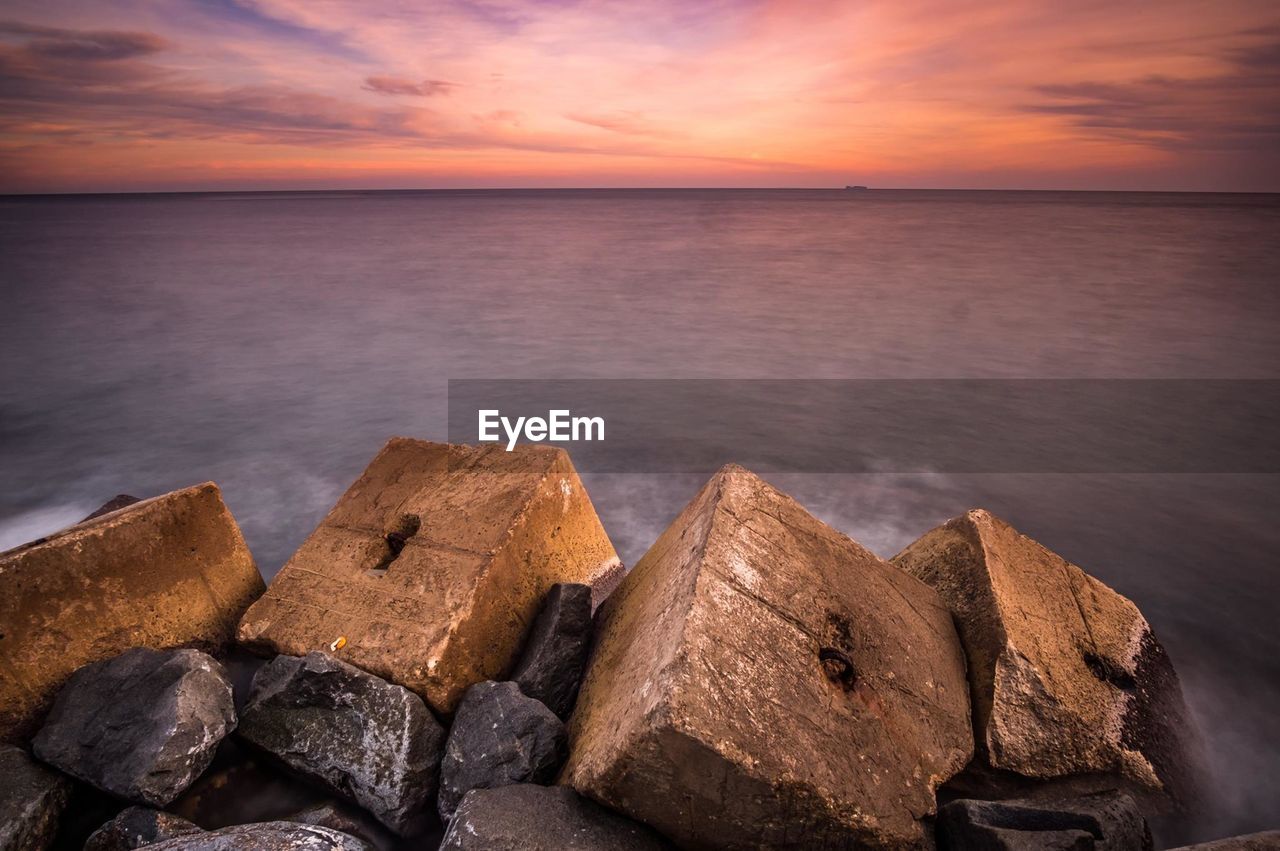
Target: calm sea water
point(272, 342)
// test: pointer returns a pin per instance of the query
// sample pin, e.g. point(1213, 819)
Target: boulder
point(760, 679)
point(141, 726)
point(1104, 821)
point(528, 817)
point(1067, 678)
point(347, 819)
point(166, 572)
point(431, 567)
point(266, 836)
point(117, 502)
point(1268, 840)
point(499, 736)
point(136, 827)
point(555, 653)
point(352, 733)
point(32, 799)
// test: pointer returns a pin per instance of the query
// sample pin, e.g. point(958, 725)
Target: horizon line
point(461, 189)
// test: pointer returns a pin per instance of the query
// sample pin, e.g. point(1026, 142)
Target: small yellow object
point(339, 644)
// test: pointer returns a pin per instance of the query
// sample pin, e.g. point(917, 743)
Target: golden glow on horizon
point(165, 94)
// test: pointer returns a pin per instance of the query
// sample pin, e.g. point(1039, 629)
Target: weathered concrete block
point(528, 817)
point(433, 564)
point(761, 680)
point(166, 572)
point(32, 799)
point(1066, 676)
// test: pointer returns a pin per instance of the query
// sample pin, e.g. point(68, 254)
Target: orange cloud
point(735, 92)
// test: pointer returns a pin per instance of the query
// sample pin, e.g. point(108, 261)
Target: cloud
point(401, 86)
point(1237, 107)
point(84, 45)
point(626, 123)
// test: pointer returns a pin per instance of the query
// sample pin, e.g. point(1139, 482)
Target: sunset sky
point(277, 94)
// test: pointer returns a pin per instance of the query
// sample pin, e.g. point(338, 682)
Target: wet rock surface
point(141, 726)
point(268, 836)
point(434, 563)
point(349, 731)
point(527, 817)
point(551, 666)
point(1067, 678)
point(350, 820)
point(1105, 821)
point(32, 799)
point(172, 571)
point(135, 827)
point(499, 736)
point(761, 680)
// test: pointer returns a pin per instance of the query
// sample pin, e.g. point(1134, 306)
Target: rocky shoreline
point(456, 658)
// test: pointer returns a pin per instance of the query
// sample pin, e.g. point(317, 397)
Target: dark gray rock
point(499, 736)
point(141, 726)
point(354, 734)
point(1103, 821)
point(527, 817)
point(32, 798)
point(117, 502)
point(348, 819)
point(136, 827)
point(1268, 840)
point(555, 653)
point(266, 836)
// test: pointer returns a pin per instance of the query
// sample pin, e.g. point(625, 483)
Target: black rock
point(1103, 821)
point(117, 502)
point(499, 736)
point(32, 799)
point(527, 817)
point(136, 827)
point(266, 836)
point(555, 654)
point(354, 734)
point(1268, 840)
point(141, 726)
point(347, 819)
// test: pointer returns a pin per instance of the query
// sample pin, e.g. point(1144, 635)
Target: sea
point(272, 342)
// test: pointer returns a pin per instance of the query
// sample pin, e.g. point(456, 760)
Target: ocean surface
point(272, 342)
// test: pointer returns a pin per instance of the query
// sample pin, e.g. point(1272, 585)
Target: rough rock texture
point(32, 798)
point(761, 680)
point(166, 572)
point(499, 736)
point(141, 726)
point(347, 819)
point(550, 668)
point(528, 817)
point(351, 732)
point(1265, 841)
point(433, 563)
point(1066, 675)
point(1105, 821)
point(136, 827)
point(267, 836)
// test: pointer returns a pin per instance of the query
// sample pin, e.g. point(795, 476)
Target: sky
point(163, 95)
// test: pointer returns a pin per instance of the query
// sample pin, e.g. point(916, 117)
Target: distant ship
point(855, 187)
